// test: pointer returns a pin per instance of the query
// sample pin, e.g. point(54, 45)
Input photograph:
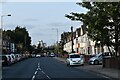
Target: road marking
point(37, 69)
point(38, 64)
point(43, 72)
point(35, 72)
point(33, 77)
point(48, 77)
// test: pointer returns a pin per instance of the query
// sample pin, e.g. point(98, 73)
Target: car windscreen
point(97, 55)
point(74, 56)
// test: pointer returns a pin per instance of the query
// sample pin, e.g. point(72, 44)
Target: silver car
point(97, 59)
point(75, 59)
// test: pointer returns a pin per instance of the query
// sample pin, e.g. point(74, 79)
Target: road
point(45, 68)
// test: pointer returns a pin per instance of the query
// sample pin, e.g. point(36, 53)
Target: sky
point(42, 19)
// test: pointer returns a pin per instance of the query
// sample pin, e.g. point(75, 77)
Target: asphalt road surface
point(46, 68)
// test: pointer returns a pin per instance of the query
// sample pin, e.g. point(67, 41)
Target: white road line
point(43, 72)
point(33, 77)
point(37, 69)
point(48, 77)
point(38, 64)
point(40, 68)
point(35, 72)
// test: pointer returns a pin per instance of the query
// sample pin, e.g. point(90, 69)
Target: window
point(74, 56)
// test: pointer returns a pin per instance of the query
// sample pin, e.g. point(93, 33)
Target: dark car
point(5, 60)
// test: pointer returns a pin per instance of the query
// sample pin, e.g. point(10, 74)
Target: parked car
point(10, 59)
point(33, 55)
point(13, 58)
point(18, 58)
point(97, 59)
point(75, 59)
point(38, 55)
point(52, 55)
point(5, 60)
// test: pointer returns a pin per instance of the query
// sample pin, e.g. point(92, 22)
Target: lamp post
point(1, 32)
point(2, 20)
point(1, 41)
point(72, 38)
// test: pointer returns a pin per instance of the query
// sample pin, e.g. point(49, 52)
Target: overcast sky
point(41, 18)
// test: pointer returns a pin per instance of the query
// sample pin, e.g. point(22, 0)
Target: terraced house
point(82, 43)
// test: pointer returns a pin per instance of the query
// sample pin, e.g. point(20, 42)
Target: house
point(82, 43)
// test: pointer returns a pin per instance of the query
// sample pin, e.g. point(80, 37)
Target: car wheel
point(96, 62)
point(82, 65)
point(68, 65)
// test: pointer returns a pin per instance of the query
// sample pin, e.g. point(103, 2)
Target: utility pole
point(72, 38)
point(1, 33)
point(1, 39)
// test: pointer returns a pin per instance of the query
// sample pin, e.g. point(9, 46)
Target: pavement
point(113, 74)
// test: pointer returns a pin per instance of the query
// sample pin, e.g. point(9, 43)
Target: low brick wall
point(113, 62)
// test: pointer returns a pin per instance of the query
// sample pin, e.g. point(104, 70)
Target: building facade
point(82, 43)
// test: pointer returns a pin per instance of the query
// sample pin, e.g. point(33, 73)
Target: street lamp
point(1, 31)
point(72, 38)
point(1, 42)
point(2, 20)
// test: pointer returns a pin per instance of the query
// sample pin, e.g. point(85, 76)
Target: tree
point(103, 21)
point(22, 37)
point(19, 36)
point(8, 35)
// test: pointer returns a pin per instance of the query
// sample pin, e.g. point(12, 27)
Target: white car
point(75, 59)
point(38, 55)
point(52, 55)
